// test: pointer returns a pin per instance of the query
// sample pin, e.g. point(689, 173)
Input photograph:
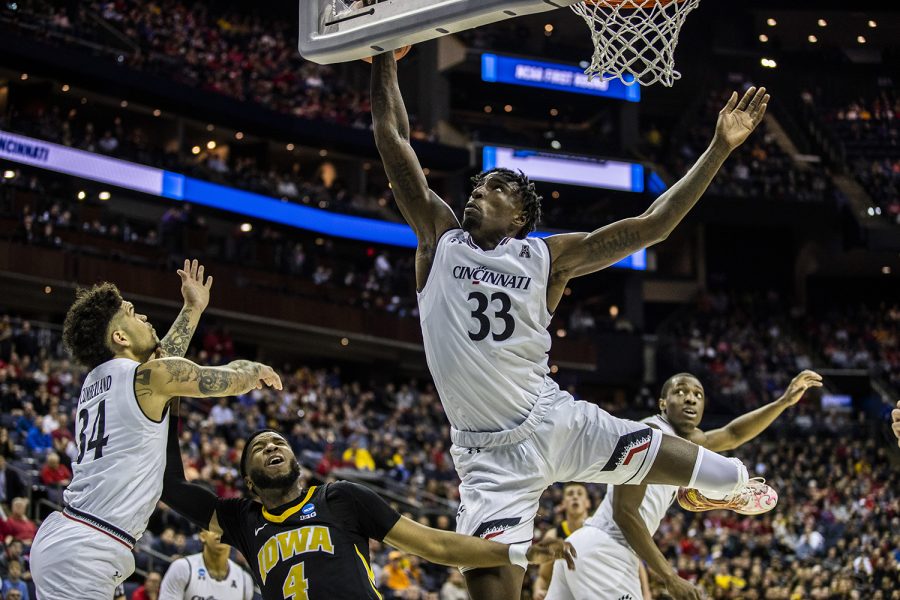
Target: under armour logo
point(525, 252)
point(117, 575)
point(258, 529)
point(473, 450)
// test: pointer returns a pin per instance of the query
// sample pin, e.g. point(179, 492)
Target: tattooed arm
point(426, 213)
point(576, 254)
point(196, 297)
point(158, 381)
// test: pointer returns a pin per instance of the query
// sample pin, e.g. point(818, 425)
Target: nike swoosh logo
point(256, 531)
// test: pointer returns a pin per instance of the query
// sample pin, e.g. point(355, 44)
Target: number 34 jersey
point(117, 475)
point(484, 323)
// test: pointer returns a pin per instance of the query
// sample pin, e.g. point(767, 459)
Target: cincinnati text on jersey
point(483, 275)
point(288, 544)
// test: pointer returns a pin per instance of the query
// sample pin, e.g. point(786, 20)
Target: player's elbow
point(388, 135)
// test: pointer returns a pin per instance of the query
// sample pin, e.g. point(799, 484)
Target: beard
point(263, 481)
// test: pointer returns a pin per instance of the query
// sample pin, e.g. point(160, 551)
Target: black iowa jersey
point(314, 548)
point(563, 530)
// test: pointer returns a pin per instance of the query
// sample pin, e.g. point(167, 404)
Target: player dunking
point(575, 506)
point(84, 551)
point(486, 295)
point(619, 535)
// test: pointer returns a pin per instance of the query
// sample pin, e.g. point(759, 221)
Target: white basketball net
point(634, 40)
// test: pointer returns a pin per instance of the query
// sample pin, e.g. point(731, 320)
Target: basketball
point(398, 54)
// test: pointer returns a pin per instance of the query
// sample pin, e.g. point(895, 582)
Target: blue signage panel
point(553, 76)
point(175, 186)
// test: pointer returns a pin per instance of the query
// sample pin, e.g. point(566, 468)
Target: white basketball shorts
point(604, 570)
point(504, 473)
point(72, 561)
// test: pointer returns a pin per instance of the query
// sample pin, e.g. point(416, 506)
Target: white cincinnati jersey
point(657, 499)
point(484, 322)
point(118, 473)
point(189, 579)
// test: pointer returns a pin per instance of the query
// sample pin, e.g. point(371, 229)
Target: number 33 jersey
point(117, 475)
point(484, 322)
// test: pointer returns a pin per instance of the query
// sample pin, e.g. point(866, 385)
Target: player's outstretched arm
point(425, 212)
point(195, 502)
point(626, 513)
point(195, 292)
point(455, 550)
point(748, 426)
point(577, 254)
point(159, 380)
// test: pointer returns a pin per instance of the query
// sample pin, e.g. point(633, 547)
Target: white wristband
point(518, 554)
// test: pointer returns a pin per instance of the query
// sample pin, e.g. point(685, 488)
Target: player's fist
point(268, 377)
point(194, 289)
point(680, 589)
point(799, 384)
point(739, 118)
point(895, 417)
point(550, 550)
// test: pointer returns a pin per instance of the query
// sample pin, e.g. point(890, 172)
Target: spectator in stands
point(396, 578)
point(895, 426)
point(359, 457)
point(11, 485)
point(13, 582)
point(18, 526)
point(13, 553)
point(150, 589)
point(55, 476)
point(7, 450)
point(37, 441)
point(455, 586)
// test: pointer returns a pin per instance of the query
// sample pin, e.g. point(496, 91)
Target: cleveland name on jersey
point(315, 547)
point(484, 323)
point(118, 473)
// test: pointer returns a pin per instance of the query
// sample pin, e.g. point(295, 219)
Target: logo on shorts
point(491, 529)
point(628, 447)
point(626, 597)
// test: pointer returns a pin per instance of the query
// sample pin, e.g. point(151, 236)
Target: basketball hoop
point(634, 40)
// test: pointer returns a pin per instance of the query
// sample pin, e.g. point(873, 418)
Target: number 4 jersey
point(315, 547)
point(117, 476)
point(484, 322)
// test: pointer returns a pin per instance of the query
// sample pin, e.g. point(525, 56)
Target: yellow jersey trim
point(369, 571)
point(565, 528)
point(287, 513)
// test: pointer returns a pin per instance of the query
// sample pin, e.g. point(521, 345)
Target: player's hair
point(574, 483)
point(84, 330)
point(667, 386)
point(531, 202)
point(246, 450)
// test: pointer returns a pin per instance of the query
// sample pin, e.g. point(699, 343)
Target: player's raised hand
point(194, 290)
point(799, 384)
point(268, 377)
point(550, 550)
point(680, 589)
point(739, 118)
point(895, 417)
